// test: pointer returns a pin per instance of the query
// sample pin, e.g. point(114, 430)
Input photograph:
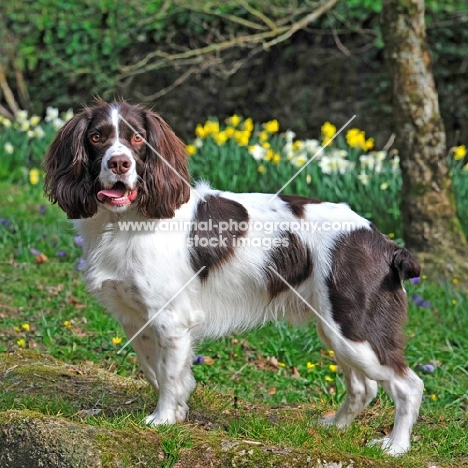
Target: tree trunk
point(430, 224)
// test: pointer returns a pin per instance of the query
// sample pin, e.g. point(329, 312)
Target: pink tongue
point(111, 193)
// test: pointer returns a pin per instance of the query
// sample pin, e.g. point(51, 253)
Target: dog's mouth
point(118, 195)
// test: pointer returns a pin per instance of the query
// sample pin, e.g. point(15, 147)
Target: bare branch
point(271, 24)
point(6, 113)
point(9, 97)
point(339, 44)
point(301, 24)
point(162, 59)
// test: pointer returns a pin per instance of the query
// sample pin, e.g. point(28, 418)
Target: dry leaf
point(272, 391)
point(41, 258)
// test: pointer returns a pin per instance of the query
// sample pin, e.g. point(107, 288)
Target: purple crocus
point(42, 209)
point(4, 222)
point(79, 241)
point(61, 253)
point(34, 251)
point(420, 302)
point(427, 368)
point(80, 265)
point(199, 360)
point(416, 280)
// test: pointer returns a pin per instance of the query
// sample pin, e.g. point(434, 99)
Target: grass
point(275, 380)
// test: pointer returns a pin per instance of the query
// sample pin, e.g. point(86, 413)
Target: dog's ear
point(68, 178)
point(165, 177)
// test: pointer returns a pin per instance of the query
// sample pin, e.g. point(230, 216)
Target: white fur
point(107, 177)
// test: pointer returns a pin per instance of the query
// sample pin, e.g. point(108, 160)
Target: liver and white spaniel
point(204, 263)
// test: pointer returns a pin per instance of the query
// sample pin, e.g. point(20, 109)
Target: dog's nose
point(119, 164)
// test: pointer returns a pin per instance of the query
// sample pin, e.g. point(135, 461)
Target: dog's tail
point(407, 266)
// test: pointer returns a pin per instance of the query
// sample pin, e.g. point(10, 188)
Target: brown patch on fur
point(292, 260)
point(366, 294)
point(296, 203)
point(218, 210)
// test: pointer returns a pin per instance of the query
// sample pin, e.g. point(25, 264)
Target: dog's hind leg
point(360, 391)
point(403, 386)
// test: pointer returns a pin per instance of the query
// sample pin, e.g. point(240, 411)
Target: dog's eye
point(95, 137)
point(137, 138)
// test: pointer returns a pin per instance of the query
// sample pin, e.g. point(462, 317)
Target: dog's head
point(117, 156)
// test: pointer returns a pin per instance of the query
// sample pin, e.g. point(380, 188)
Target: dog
point(230, 262)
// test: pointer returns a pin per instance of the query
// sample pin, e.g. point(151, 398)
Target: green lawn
point(44, 306)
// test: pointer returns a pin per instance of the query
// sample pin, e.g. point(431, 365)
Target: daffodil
point(220, 138)
point(331, 353)
point(248, 125)
point(200, 131)
point(38, 132)
point(299, 160)
point(263, 136)
point(257, 152)
point(281, 364)
point(34, 120)
point(67, 324)
point(234, 120)
point(8, 147)
point(297, 145)
point(384, 186)
point(459, 152)
point(68, 115)
point(328, 379)
point(276, 158)
point(25, 125)
point(26, 326)
point(116, 340)
point(328, 131)
point(363, 178)
point(310, 366)
point(434, 397)
point(191, 149)
point(34, 176)
point(269, 155)
point(229, 131)
point(272, 126)
point(261, 169)
point(308, 179)
point(333, 367)
point(356, 138)
point(21, 343)
point(242, 137)
point(51, 114)
point(22, 116)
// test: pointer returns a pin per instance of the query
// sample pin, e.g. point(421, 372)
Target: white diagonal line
point(160, 310)
point(155, 151)
point(312, 158)
point(312, 309)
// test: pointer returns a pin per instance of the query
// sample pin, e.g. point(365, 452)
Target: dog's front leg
point(174, 358)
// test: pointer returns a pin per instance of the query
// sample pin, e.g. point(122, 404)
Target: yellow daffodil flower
point(191, 149)
point(459, 152)
point(34, 176)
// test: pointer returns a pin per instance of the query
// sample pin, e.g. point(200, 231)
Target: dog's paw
point(158, 419)
point(389, 446)
point(181, 412)
point(327, 421)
